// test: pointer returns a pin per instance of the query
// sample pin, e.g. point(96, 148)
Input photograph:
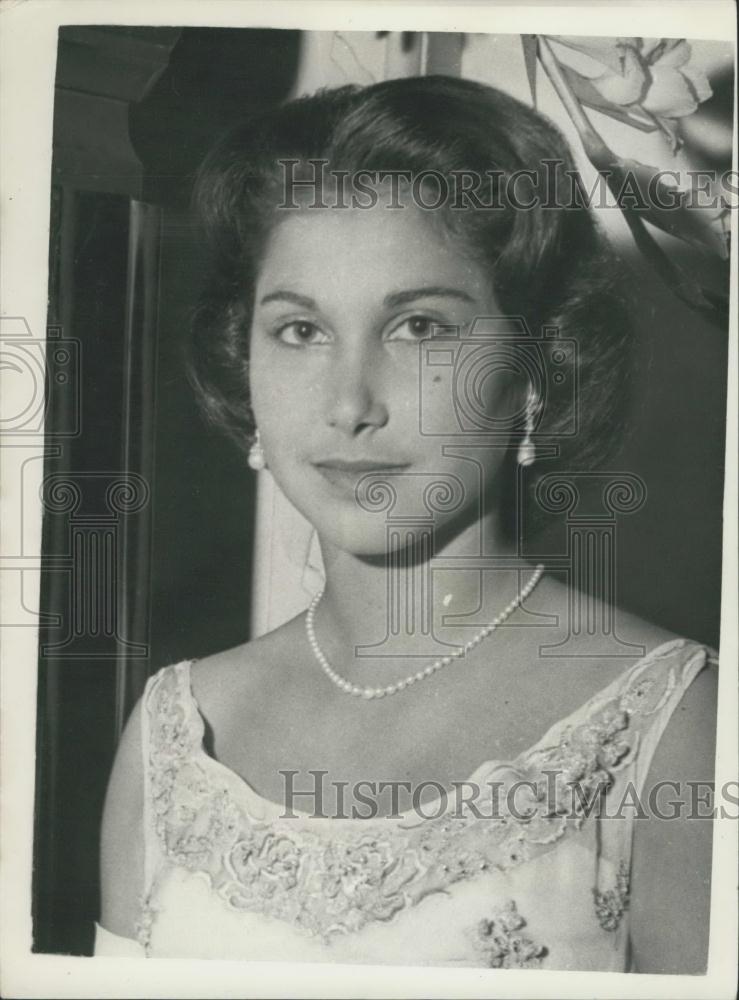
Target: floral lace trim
point(499, 941)
point(145, 922)
point(611, 904)
point(325, 887)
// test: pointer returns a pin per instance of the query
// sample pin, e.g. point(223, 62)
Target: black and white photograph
point(369, 470)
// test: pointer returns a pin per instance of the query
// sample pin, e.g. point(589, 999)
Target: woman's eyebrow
point(428, 291)
point(392, 300)
point(283, 295)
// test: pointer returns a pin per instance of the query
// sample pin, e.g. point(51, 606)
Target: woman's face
point(344, 396)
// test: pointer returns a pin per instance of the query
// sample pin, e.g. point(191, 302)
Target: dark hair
point(549, 265)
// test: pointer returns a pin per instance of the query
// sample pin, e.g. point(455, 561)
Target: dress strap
point(651, 692)
point(166, 738)
point(654, 693)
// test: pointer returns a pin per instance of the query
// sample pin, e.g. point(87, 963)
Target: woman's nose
point(355, 402)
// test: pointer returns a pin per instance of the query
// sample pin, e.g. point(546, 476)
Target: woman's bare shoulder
point(250, 668)
point(608, 641)
point(598, 617)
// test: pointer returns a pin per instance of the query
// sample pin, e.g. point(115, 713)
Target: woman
point(439, 823)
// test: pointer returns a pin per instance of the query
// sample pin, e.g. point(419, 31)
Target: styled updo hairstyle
point(548, 263)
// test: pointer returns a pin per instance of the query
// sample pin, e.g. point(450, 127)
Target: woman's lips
point(346, 473)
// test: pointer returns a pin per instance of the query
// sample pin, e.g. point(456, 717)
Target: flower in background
point(646, 81)
point(649, 84)
point(675, 88)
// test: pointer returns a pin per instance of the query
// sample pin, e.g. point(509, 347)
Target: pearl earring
point(256, 459)
point(527, 448)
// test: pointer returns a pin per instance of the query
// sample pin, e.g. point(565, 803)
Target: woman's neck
point(379, 615)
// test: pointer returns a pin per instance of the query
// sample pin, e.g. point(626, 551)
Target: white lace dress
point(539, 880)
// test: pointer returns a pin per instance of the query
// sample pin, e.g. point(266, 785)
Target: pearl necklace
point(354, 689)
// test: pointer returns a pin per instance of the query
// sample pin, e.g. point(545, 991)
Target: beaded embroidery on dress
point(544, 886)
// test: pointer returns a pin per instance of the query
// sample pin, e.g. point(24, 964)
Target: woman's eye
point(300, 333)
point(413, 328)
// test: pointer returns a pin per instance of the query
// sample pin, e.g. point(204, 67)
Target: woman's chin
point(365, 537)
point(375, 540)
